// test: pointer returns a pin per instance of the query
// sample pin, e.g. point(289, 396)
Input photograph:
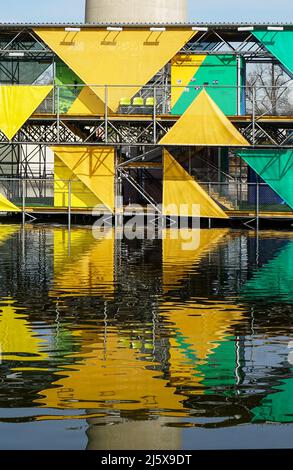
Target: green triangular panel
point(275, 167)
point(280, 44)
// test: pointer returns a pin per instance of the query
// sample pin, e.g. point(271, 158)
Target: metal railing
point(31, 194)
point(163, 99)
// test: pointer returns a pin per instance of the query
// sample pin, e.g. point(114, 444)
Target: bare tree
point(272, 90)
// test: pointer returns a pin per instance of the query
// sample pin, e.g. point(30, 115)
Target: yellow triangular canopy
point(125, 58)
point(17, 104)
point(204, 124)
point(181, 192)
point(7, 206)
point(87, 103)
point(94, 167)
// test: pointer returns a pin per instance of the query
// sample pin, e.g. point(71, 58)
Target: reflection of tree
point(273, 87)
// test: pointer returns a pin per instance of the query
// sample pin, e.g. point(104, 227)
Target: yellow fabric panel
point(129, 57)
point(204, 124)
point(17, 104)
point(17, 336)
point(183, 68)
point(110, 370)
point(81, 196)
point(7, 206)
point(179, 262)
point(87, 103)
point(94, 167)
point(83, 265)
point(180, 188)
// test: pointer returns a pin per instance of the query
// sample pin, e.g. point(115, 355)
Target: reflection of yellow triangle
point(87, 103)
point(94, 167)
point(181, 192)
point(184, 68)
point(18, 342)
point(7, 231)
point(83, 265)
point(129, 57)
point(17, 103)
point(178, 262)
point(204, 124)
point(7, 206)
point(200, 330)
point(109, 370)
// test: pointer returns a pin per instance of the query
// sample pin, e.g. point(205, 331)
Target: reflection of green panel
point(275, 167)
point(217, 70)
point(219, 368)
point(276, 407)
point(67, 95)
point(280, 44)
point(274, 280)
point(219, 371)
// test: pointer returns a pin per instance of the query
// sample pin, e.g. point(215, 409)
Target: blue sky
point(207, 10)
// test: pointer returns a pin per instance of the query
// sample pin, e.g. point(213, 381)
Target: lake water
point(141, 344)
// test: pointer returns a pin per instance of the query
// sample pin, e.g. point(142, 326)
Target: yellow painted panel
point(204, 124)
point(184, 67)
point(83, 265)
point(94, 167)
point(17, 336)
point(178, 262)
point(181, 192)
point(7, 206)
point(129, 57)
point(17, 104)
point(87, 103)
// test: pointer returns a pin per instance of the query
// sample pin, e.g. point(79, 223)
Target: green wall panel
point(217, 70)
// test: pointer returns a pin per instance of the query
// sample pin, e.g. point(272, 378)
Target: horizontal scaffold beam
point(119, 130)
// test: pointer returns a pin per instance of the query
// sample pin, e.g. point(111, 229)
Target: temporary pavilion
point(157, 114)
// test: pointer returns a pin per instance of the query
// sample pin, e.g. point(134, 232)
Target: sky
point(207, 10)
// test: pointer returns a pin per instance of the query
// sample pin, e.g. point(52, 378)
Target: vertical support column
point(155, 115)
point(58, 114)
point(106, 114)
point(23, 200)
point(118, 197)
point(253, 114)
point(239, 64)
point(257, 204)
point(69, 206)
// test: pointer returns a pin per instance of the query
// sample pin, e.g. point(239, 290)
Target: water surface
point(141, 344)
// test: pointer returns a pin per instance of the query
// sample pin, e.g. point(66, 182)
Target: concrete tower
point(136, 11)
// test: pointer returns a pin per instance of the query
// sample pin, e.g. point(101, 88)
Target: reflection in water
point(143, 341)
point(17, 338)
